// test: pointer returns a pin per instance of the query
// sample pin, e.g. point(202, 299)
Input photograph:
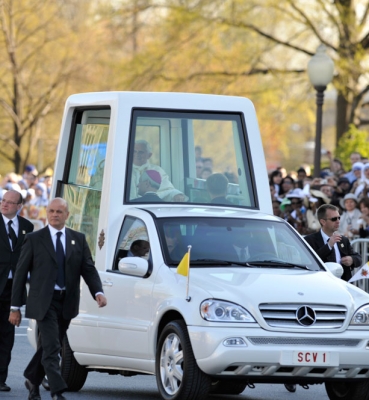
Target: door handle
point(107, 283)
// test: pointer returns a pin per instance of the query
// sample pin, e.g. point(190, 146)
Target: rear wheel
point(177, 375)
point(348, 390)
point(228, 387)
point(75, 375)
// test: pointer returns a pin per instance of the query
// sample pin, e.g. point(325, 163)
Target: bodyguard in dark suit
point(13, 229)
point(56, 258)
point(217, 186)
point(330, 245)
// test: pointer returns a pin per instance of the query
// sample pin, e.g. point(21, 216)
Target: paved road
point(103, 386)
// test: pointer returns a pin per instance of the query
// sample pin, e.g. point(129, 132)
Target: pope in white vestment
point(141, 163)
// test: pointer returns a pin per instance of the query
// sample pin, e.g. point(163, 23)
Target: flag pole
point(188, 298)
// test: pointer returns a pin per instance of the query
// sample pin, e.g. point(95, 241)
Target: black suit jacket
point(220, 200)
point(315, 240)
point(149, 197)
point(8, 257)
point(38, 257)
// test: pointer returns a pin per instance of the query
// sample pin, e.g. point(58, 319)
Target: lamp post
point(320, 71)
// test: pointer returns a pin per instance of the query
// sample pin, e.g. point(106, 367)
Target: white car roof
point(203, 211)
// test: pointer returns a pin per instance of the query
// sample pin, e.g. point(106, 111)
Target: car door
point(125, 325)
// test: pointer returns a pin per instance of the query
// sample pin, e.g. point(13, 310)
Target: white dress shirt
point(53, 233)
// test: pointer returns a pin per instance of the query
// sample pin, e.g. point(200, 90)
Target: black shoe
point(58, 397)
point(45, 383)
point(290, 387)
point(34, 391)
point(4, 387)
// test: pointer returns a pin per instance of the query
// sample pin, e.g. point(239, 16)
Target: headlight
point(223, 311)
point(361, 316)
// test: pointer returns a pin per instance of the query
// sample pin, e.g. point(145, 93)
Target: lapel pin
point(73, 242)
point(342, 245)
point(23, 232)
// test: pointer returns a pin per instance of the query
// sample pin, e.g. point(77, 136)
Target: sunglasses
point(295, 202)
point(334, 219)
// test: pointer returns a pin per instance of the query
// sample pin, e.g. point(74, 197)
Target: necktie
point(12, 234)
point(332, 257)
point(60, 256)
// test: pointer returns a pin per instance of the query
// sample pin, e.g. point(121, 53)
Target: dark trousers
point(6, 331)
point(46, 360)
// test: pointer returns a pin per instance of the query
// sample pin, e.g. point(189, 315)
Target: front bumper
point(272, 357)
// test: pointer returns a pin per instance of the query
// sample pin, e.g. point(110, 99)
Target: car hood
point(251, 287)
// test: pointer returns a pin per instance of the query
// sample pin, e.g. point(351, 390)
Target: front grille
point(265, 341)
point(319, 316)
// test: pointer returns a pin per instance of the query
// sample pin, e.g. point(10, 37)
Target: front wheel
point(348, 390)
point(75, 375)
point(177, 375)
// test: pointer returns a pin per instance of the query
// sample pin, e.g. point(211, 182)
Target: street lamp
point(320, 71)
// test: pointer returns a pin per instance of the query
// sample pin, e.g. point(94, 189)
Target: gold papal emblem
point(101, 241)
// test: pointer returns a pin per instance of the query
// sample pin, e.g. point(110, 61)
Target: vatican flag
point(184, 265)
point(184, 269)
point(363, 273)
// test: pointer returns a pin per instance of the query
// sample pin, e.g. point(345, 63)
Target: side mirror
point(335, 268)
point(135, 266)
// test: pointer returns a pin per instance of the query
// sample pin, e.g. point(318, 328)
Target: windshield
point(226, 241)
point(191, 157)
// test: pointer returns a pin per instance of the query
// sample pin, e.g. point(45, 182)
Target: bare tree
point(288, 33)
point(37, 62)
point(341, 25)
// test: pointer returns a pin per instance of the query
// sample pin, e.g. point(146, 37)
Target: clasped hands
point(347, 261)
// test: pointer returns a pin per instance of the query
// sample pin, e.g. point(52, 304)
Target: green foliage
point(354, 140)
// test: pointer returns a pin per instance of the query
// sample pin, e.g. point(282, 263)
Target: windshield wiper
point(203, 261)
point(277, 263)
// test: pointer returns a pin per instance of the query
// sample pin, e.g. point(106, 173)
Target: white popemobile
point(257, 306)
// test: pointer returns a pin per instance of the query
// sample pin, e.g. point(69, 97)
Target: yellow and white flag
point(184, 265)
point(363, 273)
point(184, 269)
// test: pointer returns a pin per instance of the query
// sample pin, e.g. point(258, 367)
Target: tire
point(228, 387)
point(74, 374)
point(348, 390)
point(177, 375)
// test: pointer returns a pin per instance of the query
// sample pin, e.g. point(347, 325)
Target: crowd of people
point(296, 196)
point(34, 188)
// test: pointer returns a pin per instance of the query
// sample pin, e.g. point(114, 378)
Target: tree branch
point(267, 35)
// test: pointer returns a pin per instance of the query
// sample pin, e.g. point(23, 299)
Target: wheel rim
point(171, 364)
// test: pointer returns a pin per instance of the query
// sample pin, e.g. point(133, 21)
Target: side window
point(133, 241)
point(88, 157)
point(85, 170)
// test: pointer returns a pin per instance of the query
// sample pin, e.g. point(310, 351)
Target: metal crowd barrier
point(361, 246)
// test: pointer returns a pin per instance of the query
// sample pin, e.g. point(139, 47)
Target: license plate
point(311, 358)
